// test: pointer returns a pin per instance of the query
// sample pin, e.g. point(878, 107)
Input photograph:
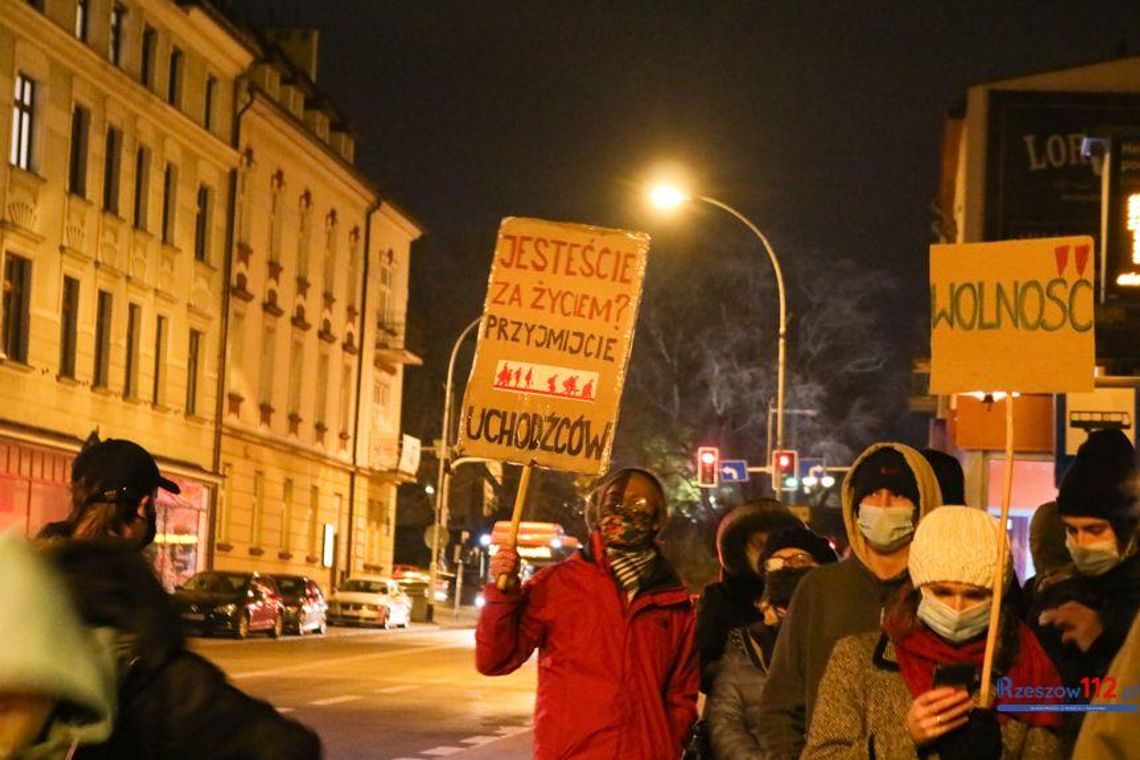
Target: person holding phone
point(910, 690)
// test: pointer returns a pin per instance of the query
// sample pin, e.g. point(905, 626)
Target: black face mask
point(779, 585)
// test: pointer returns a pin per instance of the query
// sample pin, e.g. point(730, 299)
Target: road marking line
point(340, 660)
point(479, 740)
point(284, 710)
point(505, 731)
point(395, 689)
point(335, 700)
point(442, 751)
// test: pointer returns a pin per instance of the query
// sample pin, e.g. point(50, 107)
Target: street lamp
point(669, 197)
point(444, 455)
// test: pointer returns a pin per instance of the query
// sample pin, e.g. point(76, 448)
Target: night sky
point(819, 120)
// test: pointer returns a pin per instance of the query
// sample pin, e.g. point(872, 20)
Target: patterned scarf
point(631, 568)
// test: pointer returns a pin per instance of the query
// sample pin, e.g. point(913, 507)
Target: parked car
point(371, 600)
point(305, 605)
point(233, 602)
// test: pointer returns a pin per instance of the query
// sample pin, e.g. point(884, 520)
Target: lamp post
point(444, 455)
point(669, 197)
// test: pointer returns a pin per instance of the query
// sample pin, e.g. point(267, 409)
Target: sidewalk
point(445, 617)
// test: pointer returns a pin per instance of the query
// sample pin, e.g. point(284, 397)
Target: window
point(142, 185)
point(134, 321)
point(103, 316)
point(158, 394)
point(23, 121)
point(169, 202)
point(202, 219)
point(115, 48)
point(112, 159)
point(149, 42)
point(17, 305)
point(265, 387)
point(287, 517)
point(237, 351)
point(296, 373)
point(314, 518)
point(322, 387)
point(77, 166)
point(174, 82)
point(208, 113)
point(258, 508)
point(345, 397)
point(68, 326)
point(193, 359)
point(81, 20)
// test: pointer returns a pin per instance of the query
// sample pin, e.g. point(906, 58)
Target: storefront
point(35, 490)
point(1032, 487)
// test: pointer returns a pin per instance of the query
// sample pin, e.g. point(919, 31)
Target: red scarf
point(921, 651)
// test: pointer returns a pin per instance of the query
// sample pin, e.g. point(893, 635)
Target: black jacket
point(724, 605)
point(173, 704)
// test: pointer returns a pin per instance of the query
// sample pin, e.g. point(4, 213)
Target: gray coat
point(733, 709)
point(860, 712)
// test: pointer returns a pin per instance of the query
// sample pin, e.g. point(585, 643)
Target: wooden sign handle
point(507, 581)
point(986, 697)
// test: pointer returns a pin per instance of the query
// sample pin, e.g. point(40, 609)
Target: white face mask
point(953, 625)
point(886, 528)
point(1094, 559)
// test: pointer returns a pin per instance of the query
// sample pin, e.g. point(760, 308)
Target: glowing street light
point(668, 197)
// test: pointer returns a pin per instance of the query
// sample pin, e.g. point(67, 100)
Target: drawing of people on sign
point(518, 376)
point(529, 377)
point(504, 376)
point(551, 383)
point(588, 390)
point(570, 386)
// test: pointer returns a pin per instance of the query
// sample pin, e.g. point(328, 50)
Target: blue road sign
point(811, 466)
point(733, 471)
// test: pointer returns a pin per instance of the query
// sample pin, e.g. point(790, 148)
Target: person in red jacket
point(614, 626)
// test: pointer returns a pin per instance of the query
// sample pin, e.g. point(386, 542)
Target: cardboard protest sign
point(1014, 315)
point(554, 344)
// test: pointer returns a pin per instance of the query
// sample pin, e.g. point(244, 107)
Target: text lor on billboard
point(1012, 316)
point(554, 344)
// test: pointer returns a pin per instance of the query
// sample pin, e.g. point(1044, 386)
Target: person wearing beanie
point(888, 490)
point(1083, 621)
point(909, 690)
point(733, 601)
point(951, 478)
point(733, 708)
point(614, 626)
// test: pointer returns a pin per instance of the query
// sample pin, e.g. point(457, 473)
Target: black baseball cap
point(118, 469)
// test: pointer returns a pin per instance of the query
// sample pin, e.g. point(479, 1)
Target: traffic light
point(785, 468)
point(708, 466)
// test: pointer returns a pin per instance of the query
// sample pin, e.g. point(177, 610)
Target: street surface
point(387, 694)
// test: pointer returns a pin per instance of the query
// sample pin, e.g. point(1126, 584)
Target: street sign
point(812, 467)
point(1078, 414)
point(733, 471)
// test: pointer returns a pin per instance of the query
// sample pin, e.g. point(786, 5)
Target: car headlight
point(227, 609)
point(480, 601)
point(440, 595)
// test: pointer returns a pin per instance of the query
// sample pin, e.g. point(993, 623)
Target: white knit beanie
point(957, 544)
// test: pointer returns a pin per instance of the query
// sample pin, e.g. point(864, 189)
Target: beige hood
point(929, 494)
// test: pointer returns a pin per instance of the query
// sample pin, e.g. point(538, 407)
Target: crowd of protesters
point(798, 654)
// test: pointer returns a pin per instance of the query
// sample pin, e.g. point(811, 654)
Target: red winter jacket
point(616, 679)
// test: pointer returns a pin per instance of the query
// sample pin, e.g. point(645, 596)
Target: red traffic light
point(784, 462)
point(708, 466)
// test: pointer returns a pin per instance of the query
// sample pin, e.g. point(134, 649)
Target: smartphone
point(962, 675)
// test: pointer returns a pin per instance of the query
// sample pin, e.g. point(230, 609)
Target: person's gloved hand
point(979, 739)
point(506, 562)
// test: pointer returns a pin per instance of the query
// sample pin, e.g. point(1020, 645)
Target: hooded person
point(885, 494)
point(1083, 622)
point(733, 707)
point(908, 690)
point(57, 675)
point(171, 703)
point(734, 600)
point(614, 627)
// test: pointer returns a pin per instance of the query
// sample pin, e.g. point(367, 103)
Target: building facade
point(114, 205)
point(190, 259)
point(314, 350)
